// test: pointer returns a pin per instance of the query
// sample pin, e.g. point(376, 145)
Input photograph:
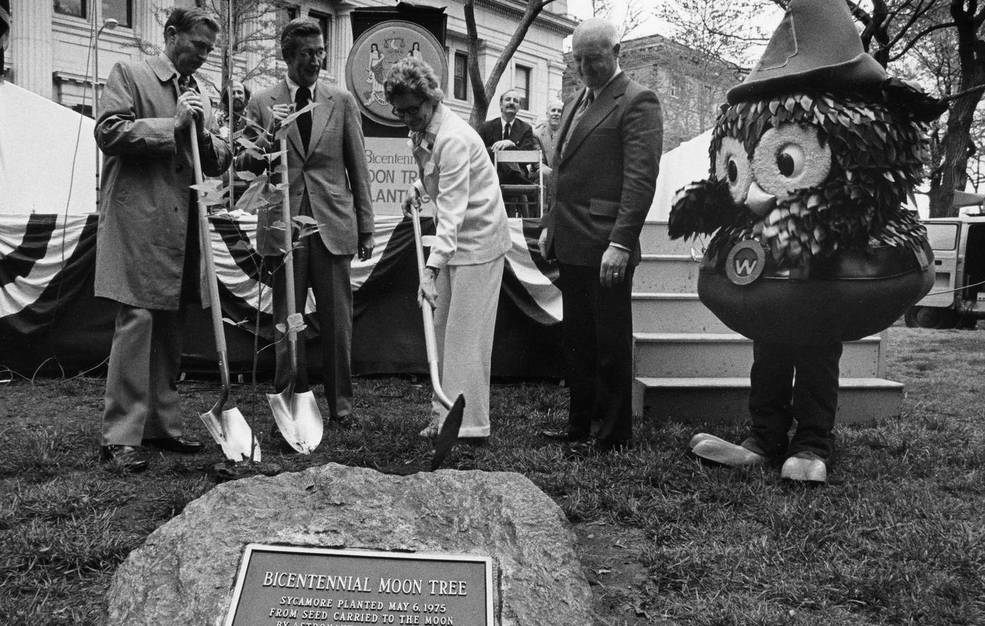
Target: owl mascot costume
point(811, 161)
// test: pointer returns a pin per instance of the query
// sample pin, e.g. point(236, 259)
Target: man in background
point(241, 97)
point(508, 132)
point(546, 133)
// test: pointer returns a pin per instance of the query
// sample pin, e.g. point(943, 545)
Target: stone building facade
point(56, 46)
point(691, 85)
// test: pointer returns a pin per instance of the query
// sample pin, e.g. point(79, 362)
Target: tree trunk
point(483, 93)
point(971, 53)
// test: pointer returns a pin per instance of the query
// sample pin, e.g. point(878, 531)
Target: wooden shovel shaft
point(429, 340)
point(215, 306)
point(292, 336)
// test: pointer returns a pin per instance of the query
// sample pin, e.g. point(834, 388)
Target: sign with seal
point(375, 51)
point(745, 262)
point(301, 586)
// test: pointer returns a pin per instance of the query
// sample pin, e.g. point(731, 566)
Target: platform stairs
point(690, 367)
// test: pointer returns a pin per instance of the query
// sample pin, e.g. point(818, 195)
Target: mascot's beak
point(758, 201)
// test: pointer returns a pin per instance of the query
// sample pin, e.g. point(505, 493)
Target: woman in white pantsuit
point(465, 266)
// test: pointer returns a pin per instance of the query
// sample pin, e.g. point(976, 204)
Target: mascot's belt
point(748, 261)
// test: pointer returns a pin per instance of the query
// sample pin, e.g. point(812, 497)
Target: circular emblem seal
point(375, 51)
point(745, 262)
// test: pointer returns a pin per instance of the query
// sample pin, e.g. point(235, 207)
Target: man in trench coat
point(147, 254)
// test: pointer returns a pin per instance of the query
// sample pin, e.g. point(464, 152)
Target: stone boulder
point(185, 571)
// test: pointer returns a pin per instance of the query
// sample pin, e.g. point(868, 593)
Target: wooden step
point(667, 273)
point(726, 400)
point(655, 240)
point(673, 313)
point(724, 355)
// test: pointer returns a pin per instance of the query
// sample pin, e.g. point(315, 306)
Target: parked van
point(957, 299)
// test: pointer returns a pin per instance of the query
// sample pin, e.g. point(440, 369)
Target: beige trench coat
point(146, 179)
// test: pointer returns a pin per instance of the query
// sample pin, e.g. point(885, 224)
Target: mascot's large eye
point(790, 161)
point(790, 157)
point(732, 165)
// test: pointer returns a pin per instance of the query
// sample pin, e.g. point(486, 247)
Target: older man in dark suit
point(606, 171)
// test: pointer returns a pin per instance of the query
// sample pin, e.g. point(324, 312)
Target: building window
point(678, 85)
point(71, 7)
point(324, 22)
point(119, 10)
point(461, 76)
point(285, 15)
point(521, 84)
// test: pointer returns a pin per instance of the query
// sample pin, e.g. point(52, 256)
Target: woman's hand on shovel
point(428, 291)
point(412, 201)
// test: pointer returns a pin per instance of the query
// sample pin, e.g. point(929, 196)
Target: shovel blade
point(448, 434)
point(234, 436)
point(298, 418)
point(239, 437)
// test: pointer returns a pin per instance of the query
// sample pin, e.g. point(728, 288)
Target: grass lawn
point(896, 537)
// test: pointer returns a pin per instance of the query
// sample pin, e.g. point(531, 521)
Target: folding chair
point(518, 197)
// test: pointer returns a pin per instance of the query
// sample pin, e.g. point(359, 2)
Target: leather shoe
point(174, 444)
point(126, 458)
point(606, 446)
point(564, 435)
point(342, 421)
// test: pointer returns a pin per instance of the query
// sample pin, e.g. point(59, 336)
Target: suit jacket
point(147, 174)
point(456, 173)
point(522, 134)
point(548, 142)
point(605, 173)
point(331, 173)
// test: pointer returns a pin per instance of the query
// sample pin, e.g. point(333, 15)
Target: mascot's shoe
point(805, 467)
point(712, 448)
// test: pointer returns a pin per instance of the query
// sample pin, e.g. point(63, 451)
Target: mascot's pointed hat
point(815, 47)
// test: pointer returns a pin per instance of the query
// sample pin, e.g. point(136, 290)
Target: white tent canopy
point(47, 156)
point(684, 164)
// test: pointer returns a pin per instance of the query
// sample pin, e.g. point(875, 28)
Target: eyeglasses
point(410, 111)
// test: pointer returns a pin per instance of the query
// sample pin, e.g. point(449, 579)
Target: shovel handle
point(430, 342)
point(215, 306)
point(292, 336)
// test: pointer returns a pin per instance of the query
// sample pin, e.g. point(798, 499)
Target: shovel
point(448, 434)
point(228, 427)
point(296, 414)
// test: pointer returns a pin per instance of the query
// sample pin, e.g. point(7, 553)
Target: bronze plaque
point(375, 51)
point(300, 586)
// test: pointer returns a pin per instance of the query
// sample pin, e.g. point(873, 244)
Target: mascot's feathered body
point(811, 162)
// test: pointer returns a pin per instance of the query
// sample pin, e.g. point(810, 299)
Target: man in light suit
point(329, 182)
point(606, 172)
point(508, 132)
point(147, 252)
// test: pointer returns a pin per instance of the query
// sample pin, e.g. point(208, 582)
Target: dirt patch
point(612, 558)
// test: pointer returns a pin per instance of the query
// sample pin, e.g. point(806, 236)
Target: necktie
point(586, 102)
point(301, 99)
point(186, 83)
point(506, 130)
